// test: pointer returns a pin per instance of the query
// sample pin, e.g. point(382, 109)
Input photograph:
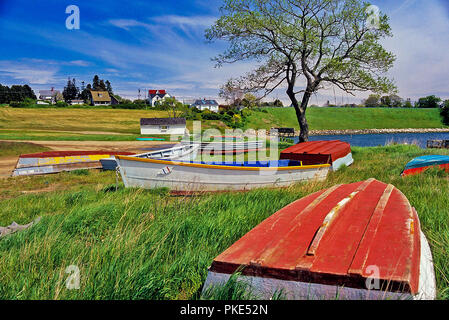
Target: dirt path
point(74, 132)
point(130, 146)
point(7, 164)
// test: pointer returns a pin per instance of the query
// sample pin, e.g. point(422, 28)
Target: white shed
point(162, 126)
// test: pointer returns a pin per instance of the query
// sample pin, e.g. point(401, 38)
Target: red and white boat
point(335, 153)
point(357, 241)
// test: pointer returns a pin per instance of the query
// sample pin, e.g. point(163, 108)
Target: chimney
point(52, 89)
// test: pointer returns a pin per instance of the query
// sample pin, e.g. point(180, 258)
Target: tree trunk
point(301, 113)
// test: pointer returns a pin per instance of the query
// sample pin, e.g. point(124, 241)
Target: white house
point(204, 104)
point(157, 96)
point(47, 96)
point(163, 126)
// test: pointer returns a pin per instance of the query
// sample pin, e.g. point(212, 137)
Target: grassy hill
point(123, 125)
point(348, 118)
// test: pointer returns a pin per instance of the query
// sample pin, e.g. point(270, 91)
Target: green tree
point(278, 103)
point(391, 101)
point(408, 103)
point(429, 102)
point(109, 87)
point(71, 91)
point(96, 83)
point(372, 101)
point(250, 101)
point(445, 112)
point(322, 42)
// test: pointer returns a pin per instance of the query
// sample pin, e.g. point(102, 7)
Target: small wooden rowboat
point(179, 153)
point(214, 176)
point(421, 164)
point(59, 161)
point(356, 241)
point(336, 153)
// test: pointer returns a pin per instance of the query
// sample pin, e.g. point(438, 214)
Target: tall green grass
point(147, 244)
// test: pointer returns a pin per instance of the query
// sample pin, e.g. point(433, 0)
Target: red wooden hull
point(415, 171)
point(317, 152)
point(335, 237)
point(53, 154)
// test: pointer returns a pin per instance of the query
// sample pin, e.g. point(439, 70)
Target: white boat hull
point(180, 153)
point(345, 161)
point(267, 288)
point(186, 177)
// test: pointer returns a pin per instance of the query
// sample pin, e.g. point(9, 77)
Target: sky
point(160, 45)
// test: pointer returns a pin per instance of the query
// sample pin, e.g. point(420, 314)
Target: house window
point(164, 128)
point(100, 95)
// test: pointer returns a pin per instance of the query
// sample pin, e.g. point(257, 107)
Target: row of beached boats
point(354, 241)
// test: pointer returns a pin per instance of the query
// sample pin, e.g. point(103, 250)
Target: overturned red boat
point(357, 241)
point(336, 153)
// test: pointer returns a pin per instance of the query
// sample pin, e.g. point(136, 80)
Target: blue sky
point(160, 45)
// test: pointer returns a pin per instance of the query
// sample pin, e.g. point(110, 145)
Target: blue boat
point(421, 164)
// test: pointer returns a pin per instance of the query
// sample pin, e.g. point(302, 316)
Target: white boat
point(231, 147)
point(180, 153)
point(215, 176)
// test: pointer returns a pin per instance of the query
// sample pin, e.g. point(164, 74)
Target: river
point(374, 140)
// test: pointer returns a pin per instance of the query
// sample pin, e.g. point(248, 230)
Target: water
point(374, 140)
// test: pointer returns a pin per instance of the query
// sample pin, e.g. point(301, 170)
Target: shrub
point(445, 112)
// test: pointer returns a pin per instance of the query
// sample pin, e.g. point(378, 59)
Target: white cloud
point(28, 72)
point(183, 21)
point(421, 46)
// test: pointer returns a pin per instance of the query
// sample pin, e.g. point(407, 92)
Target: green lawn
point(123, 125)
point(141, 244)
point(348, 118)
point(8, 149)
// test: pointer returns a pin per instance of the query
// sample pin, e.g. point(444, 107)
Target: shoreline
point(373, 131)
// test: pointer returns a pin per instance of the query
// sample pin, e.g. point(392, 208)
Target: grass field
point(78, 124)
point(123, 125)
point(8, 149)
point(349, 118)
point(141, 244)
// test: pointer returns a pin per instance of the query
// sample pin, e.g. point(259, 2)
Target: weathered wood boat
point(215, 176)
point(180, 153)
point(357, 241)
point(336, 153)
point(421, 164)
point(217, 148)
point(438, 144)
point(59, 161)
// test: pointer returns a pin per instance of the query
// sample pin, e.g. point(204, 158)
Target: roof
point(100, 96)
point(48, 92)
point(317, 151)
point(333, 237)
point(205, 102)
point(160, 95)
point(162, 121)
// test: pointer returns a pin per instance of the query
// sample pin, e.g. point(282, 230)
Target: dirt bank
point(7, 164)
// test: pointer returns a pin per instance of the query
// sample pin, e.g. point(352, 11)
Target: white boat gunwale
point(221, 167)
